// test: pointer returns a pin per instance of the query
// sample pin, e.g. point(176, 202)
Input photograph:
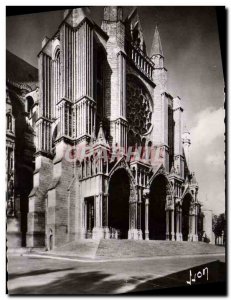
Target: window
point(9, 122)
point(30, 103)
point(139, 108)
point(10, 160)
point(57, 71)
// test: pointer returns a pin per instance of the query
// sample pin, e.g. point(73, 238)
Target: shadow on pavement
point(99, 283)
point(73, 283)
point(34, 273)
point(213, 283)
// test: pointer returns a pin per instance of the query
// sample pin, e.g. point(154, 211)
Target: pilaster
point(178, 148)
point(133, 231)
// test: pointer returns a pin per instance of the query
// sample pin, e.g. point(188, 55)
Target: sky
point(191, 48)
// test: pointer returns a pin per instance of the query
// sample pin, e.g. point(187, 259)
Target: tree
point(219, 224)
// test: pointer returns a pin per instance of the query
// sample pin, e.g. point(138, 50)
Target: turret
point(115, 86)
point(186, 144)
point(112, 14)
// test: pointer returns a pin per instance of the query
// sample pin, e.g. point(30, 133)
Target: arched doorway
point(185, 216)
point(157, 214)
point(118, 203)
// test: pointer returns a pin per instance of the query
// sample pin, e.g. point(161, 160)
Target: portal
point(89, 206)
point(185, 216)
point(157, 215)
point(118, 204)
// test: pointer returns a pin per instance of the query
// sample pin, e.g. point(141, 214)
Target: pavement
point(38, 274)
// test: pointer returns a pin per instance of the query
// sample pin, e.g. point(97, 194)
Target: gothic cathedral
point(100, 91)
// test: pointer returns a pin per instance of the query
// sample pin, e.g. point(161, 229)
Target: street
point(38, 275)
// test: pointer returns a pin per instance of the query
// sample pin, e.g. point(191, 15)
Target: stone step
point(82, 248)
point(131, 248)
point(23, 250)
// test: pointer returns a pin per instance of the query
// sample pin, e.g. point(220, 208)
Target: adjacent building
point(21, 81)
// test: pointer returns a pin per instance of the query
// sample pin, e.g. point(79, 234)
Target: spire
point(77, 15)
point(101, 140)
point(156, 44)
point(186, 136)
point(186, 129)
point(194, 181)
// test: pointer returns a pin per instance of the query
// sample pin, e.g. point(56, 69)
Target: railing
point(140, 59)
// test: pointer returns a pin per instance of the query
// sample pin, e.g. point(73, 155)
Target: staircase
point(82, 248)
point(131, 248)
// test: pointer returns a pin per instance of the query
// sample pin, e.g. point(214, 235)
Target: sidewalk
point(100, 259)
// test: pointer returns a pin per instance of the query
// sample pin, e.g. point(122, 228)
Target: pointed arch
point(56, 77)
point(185, 192)
point(122, 164)
point(160, 202)
point(120, 191)
point(186, 206)
point(161, 171)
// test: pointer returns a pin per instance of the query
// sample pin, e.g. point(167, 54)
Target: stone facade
point(99, 90)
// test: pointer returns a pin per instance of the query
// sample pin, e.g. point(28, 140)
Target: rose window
point(139, 110)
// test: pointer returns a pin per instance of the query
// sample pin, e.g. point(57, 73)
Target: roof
point(20, 71)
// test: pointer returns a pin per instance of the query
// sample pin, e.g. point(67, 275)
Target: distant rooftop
point(21, 72)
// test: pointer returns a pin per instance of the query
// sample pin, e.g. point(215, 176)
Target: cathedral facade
point(101, 94)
